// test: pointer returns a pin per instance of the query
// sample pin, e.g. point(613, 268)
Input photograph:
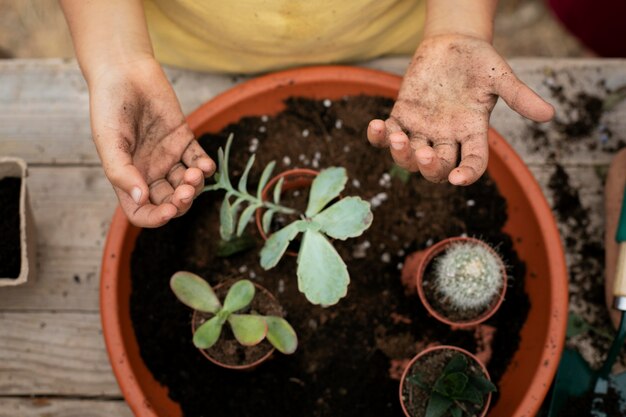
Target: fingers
point(119, 169)
point(181, 197)
point(401, 151)
point(147, 215)
point(195, 157)
point(180, 174)
point(377, 133)
point(474, 158)
point(519, 97)
point(436, 162)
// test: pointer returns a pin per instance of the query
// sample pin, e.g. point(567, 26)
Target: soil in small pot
point(10, 252)
point(228, 350)
point(442, 306)
point(345, 352)
point(429, 367)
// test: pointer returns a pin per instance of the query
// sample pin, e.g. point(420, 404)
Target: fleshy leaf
point(277, 244)
point(278, 190)
point(243, 181)
point(226, 220)
point(469, 394)
point(482, 384)
point(267, 220)
point(456, 412)
point(239, 296)
point(437, 405)
point(416, 379)
point(224, 165)
point(325, 187)
point(452, 384)
point(208, 333)
point(281, 335)
point(245, 218)
point(458, 363)
point(194, 292)
point(265, 176)
point(322, 274)
point(348, 217)
point(226, 248)
point(248, 329)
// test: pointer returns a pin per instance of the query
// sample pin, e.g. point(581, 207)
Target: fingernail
point(205, 165)
point(136, 194)
point(398, 146)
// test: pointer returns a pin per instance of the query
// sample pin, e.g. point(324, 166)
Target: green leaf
point(226, 248)
point(469, 394)
point(322, 274)
point(245, 218)
point(281, 335)
point(278, 190)
point(456, 412)
point(451, 384)
point(267, 220)
point(437, 405)
point(458, 363)
point(226, 220)
point(212, 187)
point(348, 217)
point(208, 333)
point(400, 173)
point(277, 244)
point(248, 329)
point(482, 384)
point(239, 296)
point(194, 292)
point(243, 181)
point(325, 187)
point(416, 379)
point(224, 174)
point(265, 176)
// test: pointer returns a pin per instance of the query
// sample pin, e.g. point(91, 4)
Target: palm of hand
point(443, 109)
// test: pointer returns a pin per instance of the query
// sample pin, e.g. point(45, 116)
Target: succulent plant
point(455, 389)
point(469, 275)
point(248, 329)
point(322, 275)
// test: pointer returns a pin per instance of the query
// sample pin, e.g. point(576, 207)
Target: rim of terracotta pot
point(265, 96)
point(243, 367)
point(443, 347)
point(303, 178)
point(429, 255)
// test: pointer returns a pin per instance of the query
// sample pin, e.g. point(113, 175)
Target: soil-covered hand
point(442, 111)
point(148, 151)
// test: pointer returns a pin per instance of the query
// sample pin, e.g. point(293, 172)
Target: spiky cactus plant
point(248, 329)
point(469, 275)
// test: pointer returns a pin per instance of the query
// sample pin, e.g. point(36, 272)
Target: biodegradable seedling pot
point(530, 223)
point(420, 264)
point(198, 318)
point(16, 168)
point(294, 179)
point(421, 357)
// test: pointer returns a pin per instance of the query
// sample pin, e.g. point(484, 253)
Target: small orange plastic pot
point(530, 224)
point(294, 179)
point(433, 349)
point(195, 323)
point(425, 257)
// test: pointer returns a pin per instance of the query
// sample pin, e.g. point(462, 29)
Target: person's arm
point(448, 93)
point(147, 150)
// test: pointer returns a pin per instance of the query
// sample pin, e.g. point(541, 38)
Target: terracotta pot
point(195, 323)
point(433, 349)
point(425, 257)
point(11, 167)
point(294, 179)
point(530, 223)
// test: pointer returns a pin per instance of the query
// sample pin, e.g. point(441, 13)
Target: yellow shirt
point(248, 36)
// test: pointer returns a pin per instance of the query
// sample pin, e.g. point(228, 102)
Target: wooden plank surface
point(54, 354)
point(54, 407)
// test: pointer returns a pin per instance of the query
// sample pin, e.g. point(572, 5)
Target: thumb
point(123, 174)
point(519, 97)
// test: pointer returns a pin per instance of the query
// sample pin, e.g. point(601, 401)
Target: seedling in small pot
point(248, 329)
point(461, 281)
point(322, 275)
point(445, 382)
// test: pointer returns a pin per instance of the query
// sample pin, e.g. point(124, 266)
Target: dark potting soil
point(442, 306)
point(10, 252)
point(227, 350)
point(582, 406)
point(429, 368)
point(342, 365)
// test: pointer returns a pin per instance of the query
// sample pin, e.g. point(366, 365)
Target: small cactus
point(468, 275)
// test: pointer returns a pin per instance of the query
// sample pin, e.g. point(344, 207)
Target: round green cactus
point(469, 275)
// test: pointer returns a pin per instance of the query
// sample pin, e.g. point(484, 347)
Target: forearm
point(462, 17)
point(107, 33)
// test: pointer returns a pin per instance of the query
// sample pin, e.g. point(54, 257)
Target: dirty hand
point(443, 108)
point(148, 151)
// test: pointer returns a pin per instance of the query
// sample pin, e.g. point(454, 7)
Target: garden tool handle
point(619, 288)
